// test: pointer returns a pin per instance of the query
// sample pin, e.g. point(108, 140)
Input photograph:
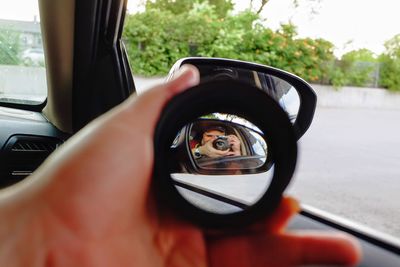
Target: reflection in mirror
point(225, 145)
point(280, 90)
point(223, 163)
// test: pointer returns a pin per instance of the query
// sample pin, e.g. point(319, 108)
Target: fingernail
point(294, 204)
point(192, 73)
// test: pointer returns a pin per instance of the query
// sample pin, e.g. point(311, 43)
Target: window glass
point(22, 64)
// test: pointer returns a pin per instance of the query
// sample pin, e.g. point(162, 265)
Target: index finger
point(150, 103)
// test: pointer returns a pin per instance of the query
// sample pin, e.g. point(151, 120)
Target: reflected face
point(211, 136)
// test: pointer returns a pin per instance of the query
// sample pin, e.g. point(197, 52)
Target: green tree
point(393, 47)
point(233, 37)
point(157, 38)
point(390, 64)
point(221, 7)
point(305, 57)
point(358, 66)
point(9, 47)
point(361, 55)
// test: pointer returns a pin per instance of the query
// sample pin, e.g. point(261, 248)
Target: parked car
point(33, 57)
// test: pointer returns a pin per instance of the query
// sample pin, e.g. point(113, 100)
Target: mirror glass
point(280, 90)
point(222, 163)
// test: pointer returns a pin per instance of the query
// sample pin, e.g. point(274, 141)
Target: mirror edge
point(308, 97)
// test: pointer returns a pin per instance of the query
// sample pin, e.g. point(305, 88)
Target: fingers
point(233, 137)
point(210, 151)
point(270, 247)
point(187, 246)
point(323, 248)
point(150, 103)
point(284, 250)
point(95, 169)
point(278, 221)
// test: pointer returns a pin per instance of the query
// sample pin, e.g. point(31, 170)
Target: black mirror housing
point(293, 94)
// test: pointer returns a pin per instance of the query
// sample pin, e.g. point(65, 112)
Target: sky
point(349, 24)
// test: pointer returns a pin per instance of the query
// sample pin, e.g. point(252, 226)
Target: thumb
point(150, 103)
point(107, 165)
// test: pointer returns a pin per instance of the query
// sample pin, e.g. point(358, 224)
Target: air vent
point(34, 146)
point(22, 155)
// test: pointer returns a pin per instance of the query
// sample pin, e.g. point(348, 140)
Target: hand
point(208, 150)
point(234, 142)
point(91, 204)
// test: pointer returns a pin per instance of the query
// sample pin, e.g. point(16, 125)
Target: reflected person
point(215, 143)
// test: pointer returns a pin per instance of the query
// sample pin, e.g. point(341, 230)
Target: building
point(30, 35)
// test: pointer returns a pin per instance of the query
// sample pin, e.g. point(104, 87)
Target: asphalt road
point(349, 165)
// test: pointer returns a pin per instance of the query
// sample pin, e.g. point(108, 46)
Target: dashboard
point(27, 138)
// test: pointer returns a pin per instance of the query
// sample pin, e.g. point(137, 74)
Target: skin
point(235, 145)
point(211, 136)
point(91, 204)
point(207, 148)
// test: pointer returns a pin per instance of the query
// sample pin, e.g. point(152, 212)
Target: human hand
point(91, 204)
point(208, 150)
point(234, 142)
point(267, 244)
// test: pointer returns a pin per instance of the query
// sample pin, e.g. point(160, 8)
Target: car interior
point(88, 73)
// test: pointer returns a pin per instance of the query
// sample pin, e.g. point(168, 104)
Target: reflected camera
point(221, 143)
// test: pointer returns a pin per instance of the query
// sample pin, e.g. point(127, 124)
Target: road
point(349, 165)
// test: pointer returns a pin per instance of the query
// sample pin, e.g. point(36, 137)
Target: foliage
point(335, 76)
point(355, 68)
point(261, 5)
point(9, 47)
point(393, 47)
point(390, 64)
point(172, 29)
point(157, 38)
point(221, 7)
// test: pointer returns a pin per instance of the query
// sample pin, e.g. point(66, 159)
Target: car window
point(349, 51)
point(22, 64)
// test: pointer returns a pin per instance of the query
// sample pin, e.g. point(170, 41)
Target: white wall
point(31, 82)
point(26, 82)
point(356, 97)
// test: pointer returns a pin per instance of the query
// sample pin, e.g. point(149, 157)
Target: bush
point(390, 65)
point(157, 38)
point(390, 73)
point(9, 47)
point(358, 66)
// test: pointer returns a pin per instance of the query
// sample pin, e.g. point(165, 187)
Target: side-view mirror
point(292, 93)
